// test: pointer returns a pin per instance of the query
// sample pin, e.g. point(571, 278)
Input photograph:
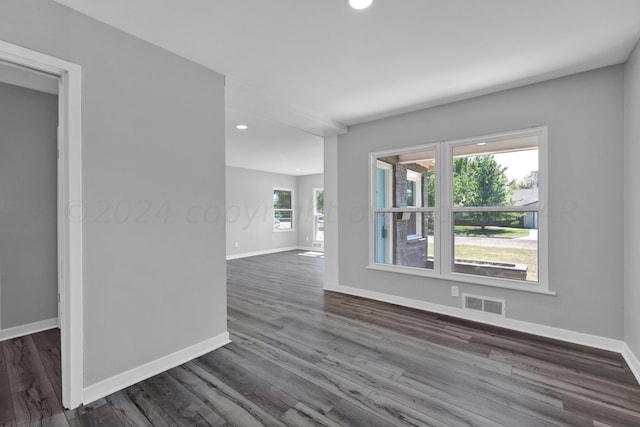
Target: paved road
point(497, 243)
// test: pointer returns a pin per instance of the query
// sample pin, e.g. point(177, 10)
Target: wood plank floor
point(304, 357)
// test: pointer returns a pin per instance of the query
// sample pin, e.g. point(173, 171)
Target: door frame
point(388, 188)
point(69, 209)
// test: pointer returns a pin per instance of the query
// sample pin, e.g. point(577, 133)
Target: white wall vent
point(484, 304)
point(317, 245)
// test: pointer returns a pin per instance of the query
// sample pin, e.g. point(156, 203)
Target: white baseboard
point(31, 328)
point(135, 375)
point(269, 251)
point(516, 325)
point(632, 361)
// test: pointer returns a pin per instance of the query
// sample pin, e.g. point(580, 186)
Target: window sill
point(283, 230)
point(463, 278)
point(415, 239)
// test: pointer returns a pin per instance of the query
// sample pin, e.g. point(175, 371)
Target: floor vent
point(484, 304)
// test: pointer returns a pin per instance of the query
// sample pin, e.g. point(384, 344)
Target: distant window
point(318, 214)
point(283, 209)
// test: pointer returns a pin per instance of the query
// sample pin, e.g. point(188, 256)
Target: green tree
point(481, 181)
point(529, 181)
point(431, 188)
point(320, 201)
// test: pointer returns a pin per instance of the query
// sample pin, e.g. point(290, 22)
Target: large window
point(468, 210)
point(283, 209)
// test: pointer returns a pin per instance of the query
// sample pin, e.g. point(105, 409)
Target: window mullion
point(446, 201)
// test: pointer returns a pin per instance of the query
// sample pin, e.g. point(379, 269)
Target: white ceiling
point(320, 65)
point(282, 149)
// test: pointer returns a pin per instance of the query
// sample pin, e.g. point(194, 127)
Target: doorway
point(28, 243)
point(69, 204)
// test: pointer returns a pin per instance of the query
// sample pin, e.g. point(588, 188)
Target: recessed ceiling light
point(360, 4)
point(298, 170)
point(481, 143)
point(242, 127)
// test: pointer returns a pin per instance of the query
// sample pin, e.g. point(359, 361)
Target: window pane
point(497, 244)
point(414, 228)
point(282, 220)
point(496, 173)
point(406, 180)
point(411, 188)
point(393, 245)
point(281, 199)
point(384, 180)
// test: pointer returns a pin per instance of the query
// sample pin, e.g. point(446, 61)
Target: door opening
point(69, 204)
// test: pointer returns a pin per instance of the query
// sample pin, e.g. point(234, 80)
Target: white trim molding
point(31, 328)
point(270, 251)
point(309, 249)
point(141, 373)
point(566, 335)
point(69, 209)
point(632, 360)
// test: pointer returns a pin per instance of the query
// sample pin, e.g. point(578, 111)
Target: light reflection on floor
point(313, 254)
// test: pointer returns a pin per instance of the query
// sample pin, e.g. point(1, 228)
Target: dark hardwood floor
point(301, 356)
point(30, 380)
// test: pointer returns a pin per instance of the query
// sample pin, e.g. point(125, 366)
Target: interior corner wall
point(331, 223)
point(28, 206)
point(632, 203)
point(249, 195)
point(584, 113)
point(153, 152)
point(306, 185)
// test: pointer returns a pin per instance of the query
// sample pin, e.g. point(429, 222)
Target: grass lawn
point(502, 232)
point(509, 255)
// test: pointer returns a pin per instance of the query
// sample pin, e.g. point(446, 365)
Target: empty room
point(319, 213)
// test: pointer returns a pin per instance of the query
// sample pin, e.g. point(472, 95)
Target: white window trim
point(443, 234)
point(374, 164)
point(292, 210)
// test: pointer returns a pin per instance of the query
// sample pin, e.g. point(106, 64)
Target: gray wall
point(153, 142)
point(632, 203)
point(585, 117)
point(28, 206)
point(306, 184)
point(250, 211)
